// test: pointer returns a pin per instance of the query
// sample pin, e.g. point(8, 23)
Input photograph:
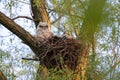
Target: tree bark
point(82, 62)
point(40, 13)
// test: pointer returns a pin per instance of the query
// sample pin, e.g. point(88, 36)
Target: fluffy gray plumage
point(43, 32)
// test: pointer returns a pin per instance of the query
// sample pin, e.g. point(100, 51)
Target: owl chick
point(43, 33)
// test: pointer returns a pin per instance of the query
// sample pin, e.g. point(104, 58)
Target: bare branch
point(82, 4)
point(23, 17)
point(22, 2)
point(31, 59)
point(57, 19)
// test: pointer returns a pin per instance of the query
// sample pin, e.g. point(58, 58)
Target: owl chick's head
point(43, 25)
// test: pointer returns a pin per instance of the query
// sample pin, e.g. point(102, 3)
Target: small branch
point(23, 17)
point(22, 2)
point(31, 59)
point(57, 19)
point(82, 4)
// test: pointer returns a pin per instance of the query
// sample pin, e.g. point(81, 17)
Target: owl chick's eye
point(42, 25)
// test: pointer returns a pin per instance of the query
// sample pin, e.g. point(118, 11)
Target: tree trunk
point(82, 62)
point(39, 11)
point(40, 14)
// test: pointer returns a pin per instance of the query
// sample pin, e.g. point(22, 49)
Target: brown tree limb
point(19, 31)
point(23, 17)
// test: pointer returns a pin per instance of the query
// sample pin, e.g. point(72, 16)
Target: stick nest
point(59, 52)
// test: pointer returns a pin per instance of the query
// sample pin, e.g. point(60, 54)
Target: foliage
point(104, 67)
point(5, 65)
point(55, 74)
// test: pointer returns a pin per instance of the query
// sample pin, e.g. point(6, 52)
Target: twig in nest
point(23, 17)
